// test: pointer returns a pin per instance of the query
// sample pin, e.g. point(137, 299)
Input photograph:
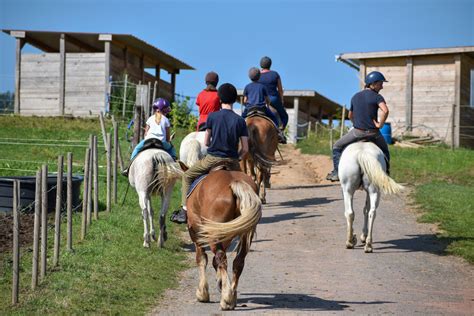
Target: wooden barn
point(305, 107)
point(429, 91)
point(72, 76)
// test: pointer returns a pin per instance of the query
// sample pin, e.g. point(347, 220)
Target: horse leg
point(349, 213)
point(260, 185)
point(267, 179)
point(150, 220)
point(238, 267)
point(363, 236)
point(226, 293)
point(374, 203)
point(143, 201)
point(202, 292)
point(165, 203)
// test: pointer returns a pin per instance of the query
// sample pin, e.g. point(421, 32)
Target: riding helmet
point(227, 93)
point(254, 73)
point(162, 105)
point(374, 76)
point(265, 62)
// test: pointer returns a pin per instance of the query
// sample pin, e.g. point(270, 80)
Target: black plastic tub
point(27, 193)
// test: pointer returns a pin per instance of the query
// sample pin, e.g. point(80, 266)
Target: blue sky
point(229, 37)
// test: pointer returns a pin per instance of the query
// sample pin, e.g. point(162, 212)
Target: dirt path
point(299, 264)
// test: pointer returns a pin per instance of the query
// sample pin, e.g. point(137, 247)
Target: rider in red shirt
point(208, 100)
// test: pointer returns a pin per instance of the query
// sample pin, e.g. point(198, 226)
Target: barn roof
point(48, 41)
point(355, 58)
point(310, 98)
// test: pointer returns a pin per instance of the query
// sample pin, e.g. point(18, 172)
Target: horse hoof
point(146, 245)
point(349, 246)
point(368, 249)
point(202, 296)
point(153, 236)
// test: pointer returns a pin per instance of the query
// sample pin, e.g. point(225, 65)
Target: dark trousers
point(356, 135)
point(275, 101)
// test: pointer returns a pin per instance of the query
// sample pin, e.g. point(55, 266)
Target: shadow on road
point(301, 302)
point(416, 243)
point(307, 186)
point(285, 217)
point(312, 201)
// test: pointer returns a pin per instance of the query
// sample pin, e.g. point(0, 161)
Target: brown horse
point(223, 206)
point(263, 143)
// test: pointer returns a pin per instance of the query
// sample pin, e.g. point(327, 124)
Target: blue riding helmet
point(374, 76)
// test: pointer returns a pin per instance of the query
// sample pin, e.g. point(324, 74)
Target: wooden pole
point(62, 72)
point(119, 154)
point(309, 129)
point(44, 220)
point(124, 95)
point(453, 126)
point(16, 247)
point(154, 92)
point(95, 163)
point(343, 120)
point(69, 201)
point(85, 197)
point(36, 231)
point(136, 125)
point(89, 186)
point(102, 127)
point(148, 101)
point(57, 218)
point(115, 163)
point(109, 167)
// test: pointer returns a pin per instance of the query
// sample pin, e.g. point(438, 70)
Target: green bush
point(181, 116)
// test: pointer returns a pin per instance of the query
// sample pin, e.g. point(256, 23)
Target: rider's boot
point(179, 216)
point(281, 137)
point(332, 176)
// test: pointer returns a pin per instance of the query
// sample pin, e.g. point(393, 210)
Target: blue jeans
point(354, 136)
point(263, 108)
point(167, 146)
point(275, 101)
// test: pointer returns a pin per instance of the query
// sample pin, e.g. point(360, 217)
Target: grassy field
point(443, 183)
point(109, 272)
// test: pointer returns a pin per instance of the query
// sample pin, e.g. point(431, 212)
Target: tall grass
point(109, 272)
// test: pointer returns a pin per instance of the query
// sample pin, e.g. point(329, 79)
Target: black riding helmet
point(254, 73)
point(265, 62)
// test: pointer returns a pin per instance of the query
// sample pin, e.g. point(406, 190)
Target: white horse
point(192, 148)
point(362, 165)
point(154, 172)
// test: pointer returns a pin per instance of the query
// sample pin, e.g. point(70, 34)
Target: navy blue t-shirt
point(364, 107)
point(226, 129)
point(270, 81)
point(255, 93)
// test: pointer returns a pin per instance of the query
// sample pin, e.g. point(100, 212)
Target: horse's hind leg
point(165, 203)
point(349, 213)
point(202, 292)
point(363, 236)
point(151, 214)
point(374, 196)
point(238, 267)
point(226, 293)
point(261, 185)
point(143, 201)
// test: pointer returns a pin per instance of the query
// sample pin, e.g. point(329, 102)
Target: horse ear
point(183, 165)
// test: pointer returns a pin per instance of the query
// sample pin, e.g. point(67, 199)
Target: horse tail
point(377, 176)
point(260, 159)
point(194, 152)
point(244, 225)
point(166, 171)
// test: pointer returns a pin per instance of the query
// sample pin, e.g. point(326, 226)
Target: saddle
point(151, 143)
point(223, 165)
point(258, 112)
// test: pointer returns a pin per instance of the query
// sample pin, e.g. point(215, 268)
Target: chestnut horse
point(223, 206)
point(263, 143)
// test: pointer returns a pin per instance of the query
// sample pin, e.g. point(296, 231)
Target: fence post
point(102, 127)
point(95, 166)
point(108, 172)
point(309, 128)
point(115, 163)
point(89, 184)
point(453, 126)
point(16, 247)
point(69, 201)
point(85, 197)
point(154, 92)
point(343, 120)
point(57, 217)
point(136, 125)
point(124, 96)
point(44, 219)
point(118, 152)
point(36, 231)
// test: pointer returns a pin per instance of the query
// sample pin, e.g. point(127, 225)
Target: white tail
point(372, 168)
point(250, 210)
point(193, 151)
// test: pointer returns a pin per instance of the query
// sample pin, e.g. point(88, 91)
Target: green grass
point(109, 272)
point(443, 183)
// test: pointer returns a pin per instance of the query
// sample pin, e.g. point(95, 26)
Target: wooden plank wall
point(85, 84)
point(39, 84)
point(394, 70)
point(433, 95)
point(466, 129)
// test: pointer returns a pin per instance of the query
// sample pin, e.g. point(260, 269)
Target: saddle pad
point(195, 183)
